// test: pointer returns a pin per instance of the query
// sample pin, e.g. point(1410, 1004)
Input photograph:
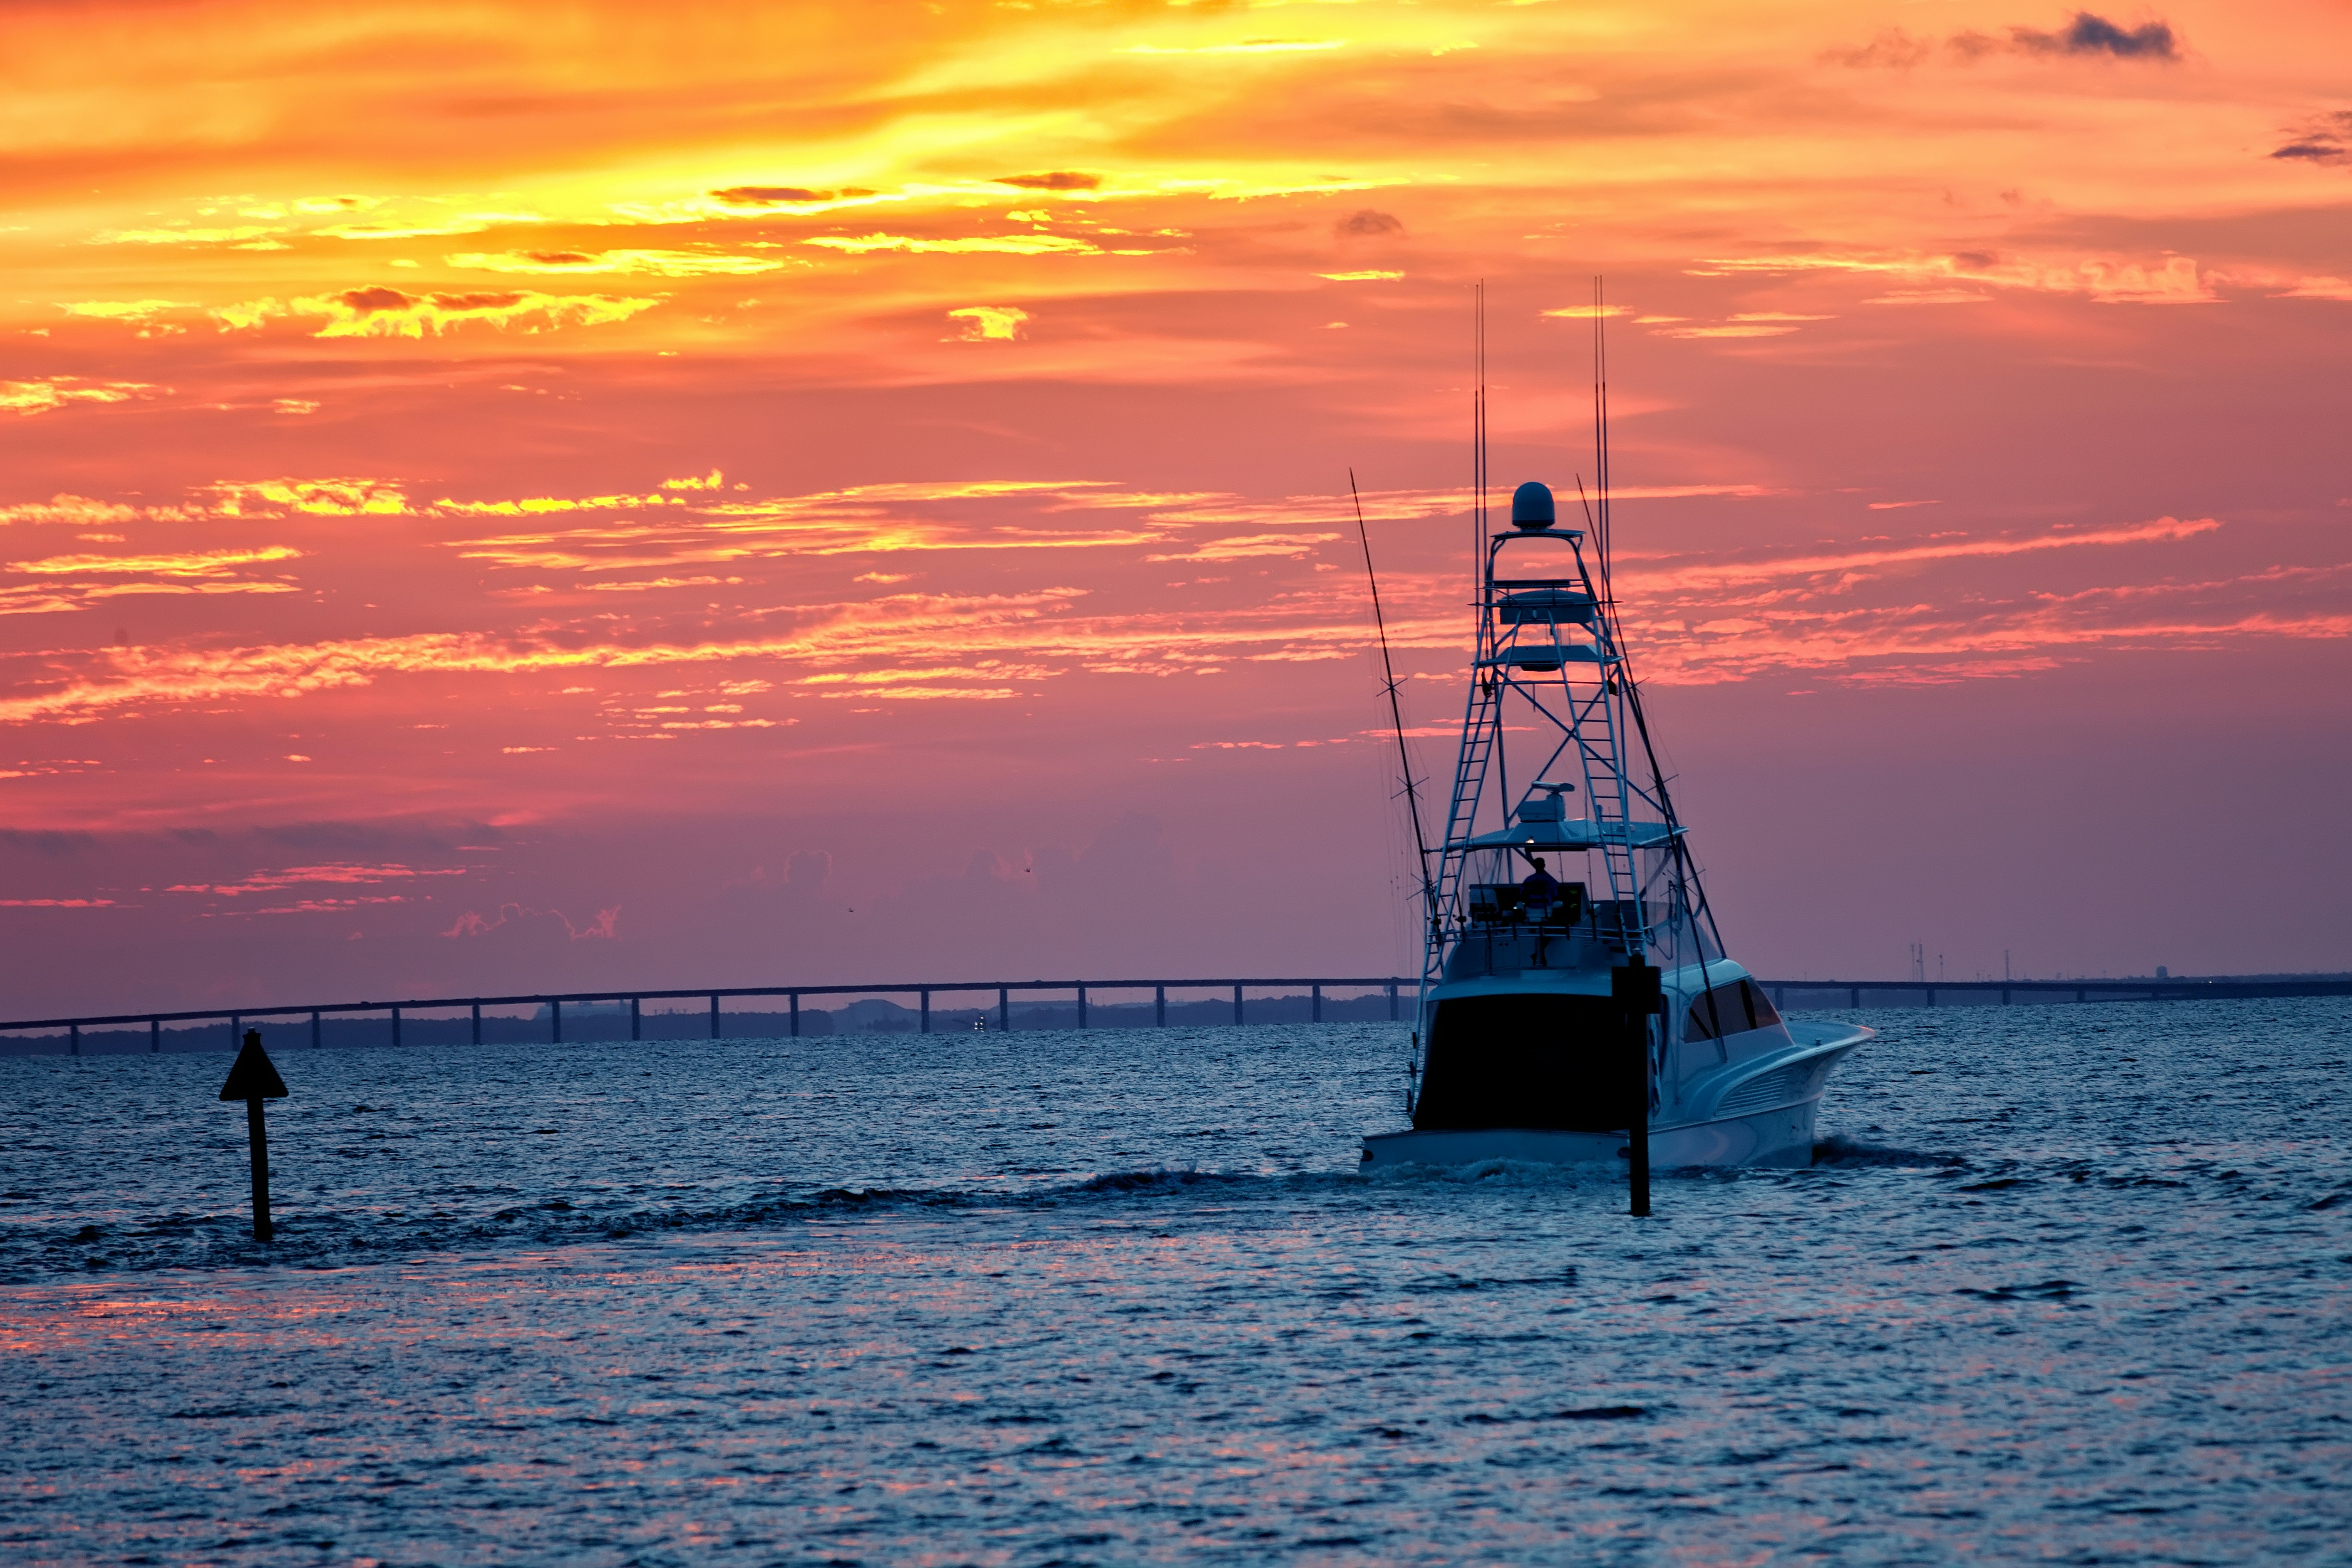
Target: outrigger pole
point(1396, 708)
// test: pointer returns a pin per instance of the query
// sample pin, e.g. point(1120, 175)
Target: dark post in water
point(252, 1079)
point(1635, 989)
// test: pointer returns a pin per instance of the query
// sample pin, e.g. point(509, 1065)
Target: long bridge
point(553, 1004)
point(1392, 994)
point(2004, 993)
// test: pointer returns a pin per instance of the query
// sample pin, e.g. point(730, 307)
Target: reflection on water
point(2068, 1284)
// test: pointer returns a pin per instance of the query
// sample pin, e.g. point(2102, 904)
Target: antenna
point(1478, 437)
point(1600, 431)
point(1700, 908)
point(1396, 709)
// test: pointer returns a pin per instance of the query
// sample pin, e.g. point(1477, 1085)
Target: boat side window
point(1496, 903)
point(1732, 1008)
point(1707, 1013)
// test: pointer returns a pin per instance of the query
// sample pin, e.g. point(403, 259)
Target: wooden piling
point(1637, 990)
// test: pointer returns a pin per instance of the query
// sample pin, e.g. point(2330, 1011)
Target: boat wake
point(1499, 1173)
point(1158, 1180)
point(1838, 1149)
point(325, 1238)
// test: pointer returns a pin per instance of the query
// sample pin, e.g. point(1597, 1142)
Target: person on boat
point(1539, 890)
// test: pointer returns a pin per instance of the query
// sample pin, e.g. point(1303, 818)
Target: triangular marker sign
point(253, 1077)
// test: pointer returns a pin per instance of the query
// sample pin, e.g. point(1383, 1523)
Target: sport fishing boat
point(1554, 881)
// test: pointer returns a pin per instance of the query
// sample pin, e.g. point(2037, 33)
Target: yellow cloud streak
point(194, 563)
point(30, 397)
point(842, 632)
point(543, 552)
point(1002, 245)
point(1249, 47)
point(2109, 279)
point(124, 309)
point(657, 263)
point(1037, 626)
point(1699, 574)
point(1245, 547)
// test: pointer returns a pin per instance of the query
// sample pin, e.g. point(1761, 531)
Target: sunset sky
point(542, 497)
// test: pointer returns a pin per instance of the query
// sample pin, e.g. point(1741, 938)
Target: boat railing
point(1501, 935)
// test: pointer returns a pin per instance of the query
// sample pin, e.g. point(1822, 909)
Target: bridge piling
point(1159, 1007)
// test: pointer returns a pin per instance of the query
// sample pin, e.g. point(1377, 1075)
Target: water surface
point(2068, 1285)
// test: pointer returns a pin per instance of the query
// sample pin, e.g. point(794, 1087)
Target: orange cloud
point(655, 263)
point(331, 872)
point(984, 323)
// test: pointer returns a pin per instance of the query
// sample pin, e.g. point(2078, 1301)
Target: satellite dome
point(1531, 506)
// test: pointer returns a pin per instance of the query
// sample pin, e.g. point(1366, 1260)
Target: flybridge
point(1548, 651)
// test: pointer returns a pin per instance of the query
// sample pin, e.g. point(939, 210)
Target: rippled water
point(2068, 1285)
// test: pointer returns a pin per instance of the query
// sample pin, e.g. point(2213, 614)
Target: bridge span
point(1066, 1003)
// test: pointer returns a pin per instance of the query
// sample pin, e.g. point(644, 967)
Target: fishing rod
point(1396, 708)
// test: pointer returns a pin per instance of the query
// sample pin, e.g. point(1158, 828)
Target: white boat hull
point(1769, 1138)
point(1768, 1135)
